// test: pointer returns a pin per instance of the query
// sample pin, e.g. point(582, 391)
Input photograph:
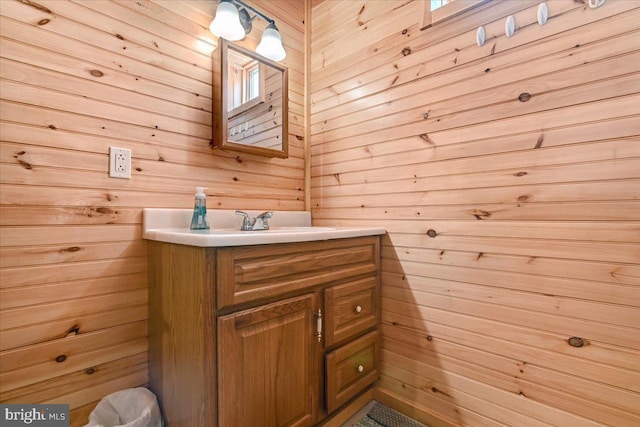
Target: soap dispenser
point(199, 219)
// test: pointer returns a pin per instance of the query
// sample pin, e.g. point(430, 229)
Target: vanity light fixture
point(233, 22)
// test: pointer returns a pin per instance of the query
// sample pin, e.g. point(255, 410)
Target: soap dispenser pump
point(199, 219)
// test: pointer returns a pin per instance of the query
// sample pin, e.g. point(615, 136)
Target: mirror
point(250, 97)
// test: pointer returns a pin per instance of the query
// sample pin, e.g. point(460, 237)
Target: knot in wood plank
point(524, 97)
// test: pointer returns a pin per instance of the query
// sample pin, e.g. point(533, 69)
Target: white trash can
point(133, 407)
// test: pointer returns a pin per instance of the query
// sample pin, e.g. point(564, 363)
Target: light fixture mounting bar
point(262, 15)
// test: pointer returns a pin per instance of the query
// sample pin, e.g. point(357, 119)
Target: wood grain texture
point(507, 178)
point(250, 273)
point(266, 361)
point(262, 357)
point(352, 367)
point(182, 344)
point(75, 79)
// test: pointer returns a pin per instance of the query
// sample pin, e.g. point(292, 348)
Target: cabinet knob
point(360, 368)
point(357, 309)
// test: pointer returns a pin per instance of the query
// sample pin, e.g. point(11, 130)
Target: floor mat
point(383, 416)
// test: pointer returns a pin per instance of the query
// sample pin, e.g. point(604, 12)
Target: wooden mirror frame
point(220, 93)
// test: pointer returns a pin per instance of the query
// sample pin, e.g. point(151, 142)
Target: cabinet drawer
point(351, 368)
point(246, 274)
point(351, 309)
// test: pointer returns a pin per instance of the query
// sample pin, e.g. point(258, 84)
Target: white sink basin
point(172, 226)
point(310, 229)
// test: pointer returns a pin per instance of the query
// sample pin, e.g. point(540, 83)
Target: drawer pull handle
point(360, 368)
point(357, 309)
point(319, 325)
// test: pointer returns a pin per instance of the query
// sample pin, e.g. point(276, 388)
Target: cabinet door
point(267, 364)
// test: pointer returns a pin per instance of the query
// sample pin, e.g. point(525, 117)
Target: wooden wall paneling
point(120, 80)
point(23, 358)
point(49, 273)
point(542, 90)
point(46, 98)
point(500, 173)
point(554, 248)
point(64, 384)
point(536, 303)
point(548, 268)
point(598, 332)
point(104, 61)
point(579, 132)
point(540, 191)
point(592, 291)
point(170, 28)
point(354, 14)
point(463, 392)
point(74, 132)
point(577, 211)
point(23, 296)
point(154, 159)
point(417, 64)
point(544, 346)
point(527, 124)
point(119, 198)
point(76, 79)
point(515, 382)
point(24, 316)
point(448, 413)
point(449, 92)
point(40, 333)
point(52, 368)
point(69, 28)
point(18, 72)
point(386, 59)
point(68, 215)
point(457, 344)
point(196, 13)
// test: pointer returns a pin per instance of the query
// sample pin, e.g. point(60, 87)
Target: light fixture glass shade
point(227, 22)
point(271, 44)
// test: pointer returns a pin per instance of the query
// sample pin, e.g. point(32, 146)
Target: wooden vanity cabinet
point(234, 332)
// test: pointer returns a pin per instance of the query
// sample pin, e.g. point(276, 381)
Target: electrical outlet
point(119, 162)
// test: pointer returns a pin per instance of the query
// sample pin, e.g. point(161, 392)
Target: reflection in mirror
point(250, 102)
point(246, 84)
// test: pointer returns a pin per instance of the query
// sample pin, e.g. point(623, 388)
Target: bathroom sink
point(309, 229)
point(171, 225)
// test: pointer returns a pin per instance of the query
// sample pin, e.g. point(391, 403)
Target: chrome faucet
point(258, 223)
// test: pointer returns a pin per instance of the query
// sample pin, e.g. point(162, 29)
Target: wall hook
point(594, 4)
point(510, 26)
point(543, 13)
point(480, 36)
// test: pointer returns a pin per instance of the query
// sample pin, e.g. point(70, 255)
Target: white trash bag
point(133, 407)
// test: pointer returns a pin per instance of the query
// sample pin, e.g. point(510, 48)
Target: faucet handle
point(246, 222)
point(261, 222)
point(267, 215)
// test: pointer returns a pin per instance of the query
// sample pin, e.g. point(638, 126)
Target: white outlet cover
point(119, 162)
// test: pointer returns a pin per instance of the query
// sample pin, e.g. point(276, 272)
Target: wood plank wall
point(508, 178)
point(76, 78)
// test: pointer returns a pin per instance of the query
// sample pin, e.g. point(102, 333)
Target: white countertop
point(172, 226)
